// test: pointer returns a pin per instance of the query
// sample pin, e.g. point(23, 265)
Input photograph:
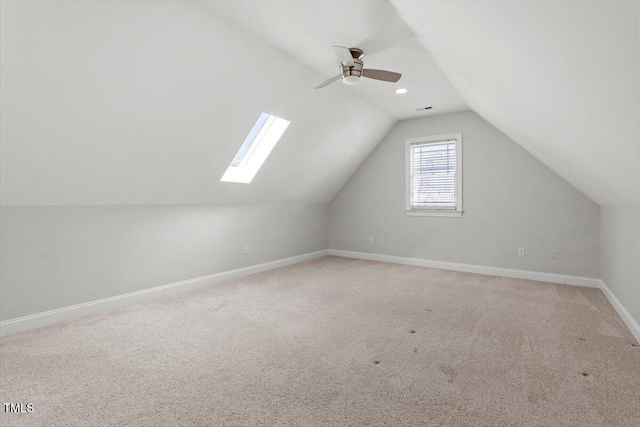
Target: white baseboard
point(46, 318)
point(38, 320)
point(622, 312)
point(470, 268)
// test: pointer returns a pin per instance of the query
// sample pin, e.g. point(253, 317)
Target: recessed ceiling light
point(401, 91)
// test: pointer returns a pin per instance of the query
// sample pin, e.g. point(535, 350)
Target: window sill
point(444, 213)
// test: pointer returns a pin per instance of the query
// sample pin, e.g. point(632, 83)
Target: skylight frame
point(261, 140)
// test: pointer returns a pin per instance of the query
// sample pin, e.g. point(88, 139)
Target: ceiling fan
point(351, 68)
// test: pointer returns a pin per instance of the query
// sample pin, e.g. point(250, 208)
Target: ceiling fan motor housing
point(351, 75)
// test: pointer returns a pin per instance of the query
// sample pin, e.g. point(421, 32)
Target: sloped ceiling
point(562, 79)
point(307, 30)
point(147, 103)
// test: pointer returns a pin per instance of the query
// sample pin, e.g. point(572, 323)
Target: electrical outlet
point(246, 249)
point(554, 254)
point(520, 251)
point(370, 239)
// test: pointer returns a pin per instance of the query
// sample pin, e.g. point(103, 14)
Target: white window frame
point(415, 211)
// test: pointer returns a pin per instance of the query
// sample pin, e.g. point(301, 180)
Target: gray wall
point(510, 200)
point(53, 257)
point(620, 255)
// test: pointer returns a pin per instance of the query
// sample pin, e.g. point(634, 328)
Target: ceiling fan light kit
point(351, 74)
point(352, 68)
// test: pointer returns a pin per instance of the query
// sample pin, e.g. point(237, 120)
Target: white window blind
point(432, 175)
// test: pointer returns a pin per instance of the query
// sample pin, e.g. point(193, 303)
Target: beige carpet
point(336, 342)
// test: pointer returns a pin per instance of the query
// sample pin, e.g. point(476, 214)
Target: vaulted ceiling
point(560, 78)
point(147, 102)
point(307, 30)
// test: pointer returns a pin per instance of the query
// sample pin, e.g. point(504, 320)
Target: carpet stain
point(218, 307)
point(376, 362)
point(449, 372)
point(413, 331)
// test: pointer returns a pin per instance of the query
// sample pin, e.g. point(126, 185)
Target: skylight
point(255, 149)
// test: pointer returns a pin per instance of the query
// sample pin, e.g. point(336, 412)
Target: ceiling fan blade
point(345, 55)
point(328, 82)
point(387, 76)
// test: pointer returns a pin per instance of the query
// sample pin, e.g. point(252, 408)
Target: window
point(434, 175)
point(255, 149)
